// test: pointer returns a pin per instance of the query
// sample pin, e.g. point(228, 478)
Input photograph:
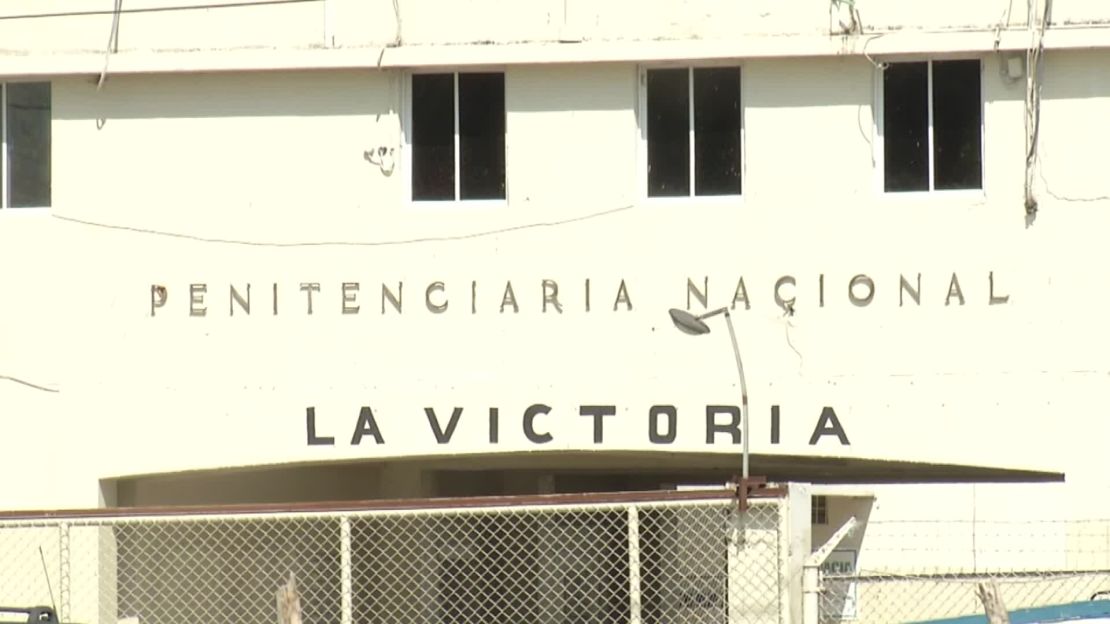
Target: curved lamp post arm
point(695, 325)
point(743, 394)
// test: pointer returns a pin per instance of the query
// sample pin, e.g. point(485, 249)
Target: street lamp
point(695, 326)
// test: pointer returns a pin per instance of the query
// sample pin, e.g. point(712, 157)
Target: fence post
point(346, 603)
point(63, 570)
point(795, 515)
point(811, 592)
point(634, 564)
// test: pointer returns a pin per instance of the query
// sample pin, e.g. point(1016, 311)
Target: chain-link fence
point(917, 571)
point(680, 560)
point(892, 598)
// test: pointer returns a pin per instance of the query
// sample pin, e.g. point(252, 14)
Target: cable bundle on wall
point(1037, 22)
point(113, 44)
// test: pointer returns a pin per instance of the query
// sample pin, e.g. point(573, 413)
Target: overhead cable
point(26, 383)
point(347, 243)
point(162, 9)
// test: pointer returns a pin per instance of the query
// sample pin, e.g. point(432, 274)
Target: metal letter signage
point(544, 296)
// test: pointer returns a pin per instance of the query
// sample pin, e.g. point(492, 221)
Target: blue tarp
point(1092, 611)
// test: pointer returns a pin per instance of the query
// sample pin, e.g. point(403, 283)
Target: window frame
point(5, 160)
point(407, 131)
point(642, 190)
point(879, 121)
point(819, 510)
point(6, 208)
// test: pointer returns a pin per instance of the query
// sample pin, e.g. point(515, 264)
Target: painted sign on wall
point(841, 595)
point(537, 423)
point(546, 296)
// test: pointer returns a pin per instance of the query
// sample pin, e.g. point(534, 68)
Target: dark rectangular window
point(717, 131)
point(932, 120)
point(906, 126)
point(482, 136)
point(433, 136)
point(25, 129)
point(668, 132)
point(957, 138)
point(475, 116)
point(819, 510)
point(693, 131)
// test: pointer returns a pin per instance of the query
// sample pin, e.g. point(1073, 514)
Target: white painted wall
point(79, 26)
point(278, 158)
point(74, 37)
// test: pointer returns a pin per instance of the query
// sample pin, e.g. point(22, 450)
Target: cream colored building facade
point(232, 295)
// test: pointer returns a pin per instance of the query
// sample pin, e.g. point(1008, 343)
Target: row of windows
point(931, 129)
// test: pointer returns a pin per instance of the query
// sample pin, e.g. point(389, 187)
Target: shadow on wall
point(254, 94)
point(797, 83)
point(570, 88)
point(837, 511)
point(1075, 92)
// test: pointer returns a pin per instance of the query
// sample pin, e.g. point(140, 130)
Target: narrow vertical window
point(25, 131)
point(458, 136)
point(4, 152)
point(906, 126)
point(957, 138)
point(482, 136)
point(694, 124)
point(819, 510)
point(932, 120)
point(717, 131)
point(668, 132)
point(433, 136)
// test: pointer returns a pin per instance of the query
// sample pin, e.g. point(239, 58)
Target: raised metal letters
point(787, 292)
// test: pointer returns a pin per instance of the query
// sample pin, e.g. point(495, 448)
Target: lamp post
point(695, 326)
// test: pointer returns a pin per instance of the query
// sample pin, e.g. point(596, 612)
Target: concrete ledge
point(878, 44)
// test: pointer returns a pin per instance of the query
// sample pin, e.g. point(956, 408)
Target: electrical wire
point(880, 66)
point(877, 64)
point(1033, 67)
point(380, 243)
point(397, 20)
point(863, 133)
point(46, 575)
point(1044, 185)
point(113, 44)
point(1003, 22)
point(185, 7)
point(787, 326)
point(27, 383)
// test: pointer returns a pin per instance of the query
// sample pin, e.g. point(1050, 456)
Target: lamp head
point(688, 323)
